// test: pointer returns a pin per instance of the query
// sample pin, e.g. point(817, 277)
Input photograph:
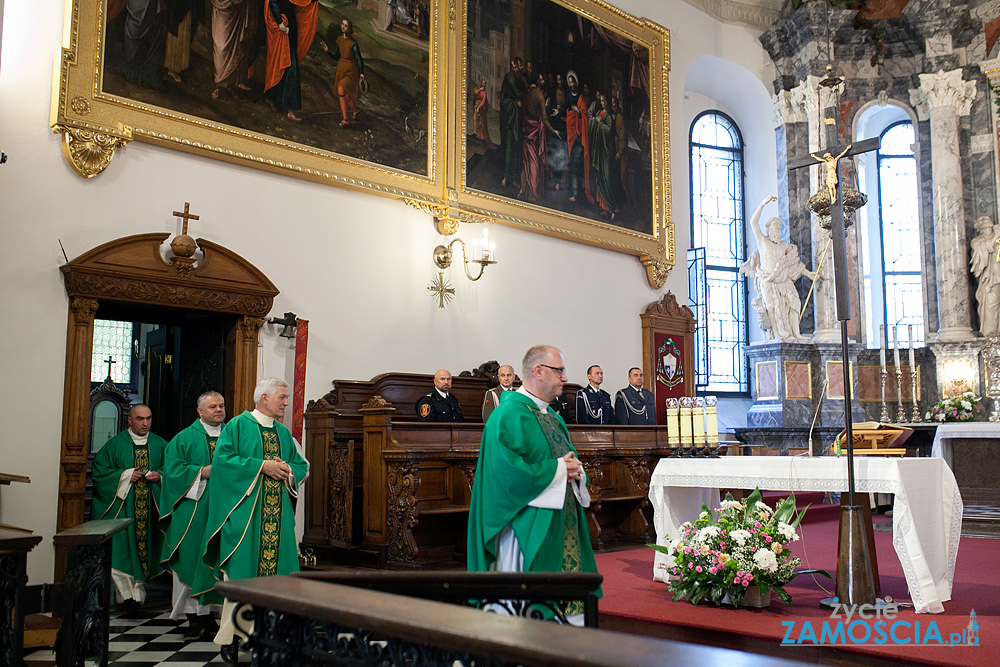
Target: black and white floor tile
point(148, 638)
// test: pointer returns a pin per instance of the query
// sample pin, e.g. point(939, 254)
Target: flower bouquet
point(745, 544)
point(961, 408)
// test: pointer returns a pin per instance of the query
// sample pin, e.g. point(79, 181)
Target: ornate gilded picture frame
point(563, 116)
point(342, 91)
point(400, 98)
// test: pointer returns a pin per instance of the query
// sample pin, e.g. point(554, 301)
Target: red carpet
point(634, 603)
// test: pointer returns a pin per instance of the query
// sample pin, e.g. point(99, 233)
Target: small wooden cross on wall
point(187, 216)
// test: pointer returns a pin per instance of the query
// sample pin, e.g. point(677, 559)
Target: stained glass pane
point(114, 339)
point(898, 199)
point(717, 235)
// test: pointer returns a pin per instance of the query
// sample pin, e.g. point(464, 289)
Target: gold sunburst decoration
point(441, 290)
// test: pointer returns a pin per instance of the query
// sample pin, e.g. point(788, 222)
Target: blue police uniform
point(593, 406)
point(635, 408)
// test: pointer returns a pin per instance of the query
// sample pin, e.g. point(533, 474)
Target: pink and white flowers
point(742, 543)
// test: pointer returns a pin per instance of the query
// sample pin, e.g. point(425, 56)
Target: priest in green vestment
point(527, 511)
point(187, 467)
point(250, 531)
point(126, 475)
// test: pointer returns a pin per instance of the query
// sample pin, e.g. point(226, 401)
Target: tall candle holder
point(884, 417)
point(687, 428)
point(673, 427)
point(900, 410)
point(915, 415)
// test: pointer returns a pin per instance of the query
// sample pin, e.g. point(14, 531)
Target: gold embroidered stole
point(141, 508)
point(559, 446)
point(270, 512)
point(211, 447)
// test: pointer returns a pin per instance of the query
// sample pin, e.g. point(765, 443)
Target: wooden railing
point(84, 597)
point(527, 594)
point(14, 547)
point(299, 622)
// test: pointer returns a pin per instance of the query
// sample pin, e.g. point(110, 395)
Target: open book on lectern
point(870, 436)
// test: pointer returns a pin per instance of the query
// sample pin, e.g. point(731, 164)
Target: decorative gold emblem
point(441, 289)
point(89, 152)
point(80, 105)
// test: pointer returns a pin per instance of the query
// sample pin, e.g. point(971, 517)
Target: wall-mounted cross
point(187, 216)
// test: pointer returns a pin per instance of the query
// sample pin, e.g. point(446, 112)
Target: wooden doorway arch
point(132, 271)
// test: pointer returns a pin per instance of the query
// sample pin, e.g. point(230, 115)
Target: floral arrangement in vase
point(960, 408)
point(739, 550)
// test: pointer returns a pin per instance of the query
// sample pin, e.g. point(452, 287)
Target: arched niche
point(132, 271)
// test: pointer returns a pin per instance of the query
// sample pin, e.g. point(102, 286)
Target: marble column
point(991, 68)
point(813, 99)
point(944, 97)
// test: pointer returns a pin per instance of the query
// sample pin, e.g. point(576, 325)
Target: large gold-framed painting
point(333, 90)
point(565, 117)
point(544, 114)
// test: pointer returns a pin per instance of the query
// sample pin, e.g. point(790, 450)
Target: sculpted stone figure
point(775, 266)
point(985, 266)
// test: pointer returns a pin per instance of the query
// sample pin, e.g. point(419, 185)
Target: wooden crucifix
point(186, 216)
point(110, 360)
point(831, 157)
point(855, 580)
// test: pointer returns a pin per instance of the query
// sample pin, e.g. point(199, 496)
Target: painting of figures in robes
point(350, 77)
point(558, 112)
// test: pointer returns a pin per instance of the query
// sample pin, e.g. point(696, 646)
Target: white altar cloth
point(926, 511)
point(945, 433)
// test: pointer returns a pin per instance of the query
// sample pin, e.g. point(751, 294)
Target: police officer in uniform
point(505, 375)
point(440, 405)
point(634, 405)
point(593, 404)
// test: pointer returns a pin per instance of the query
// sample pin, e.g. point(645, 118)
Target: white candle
point(895, 347)
point(881, 345)
point(909, 336)
point(698, 421)
point(673, 423)
point(711, 420)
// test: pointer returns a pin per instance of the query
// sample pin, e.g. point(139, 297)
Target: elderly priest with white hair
point(250, 530)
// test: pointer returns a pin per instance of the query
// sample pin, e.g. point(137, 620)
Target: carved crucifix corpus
point(831, 158)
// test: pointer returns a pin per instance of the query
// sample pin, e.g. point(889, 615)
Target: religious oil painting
point(330, 89)
point(566, 121)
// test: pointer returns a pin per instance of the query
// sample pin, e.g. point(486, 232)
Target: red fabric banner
point(299, 383)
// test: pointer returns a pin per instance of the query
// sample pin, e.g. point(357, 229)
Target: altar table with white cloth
point(945, 433)
point(926, 510)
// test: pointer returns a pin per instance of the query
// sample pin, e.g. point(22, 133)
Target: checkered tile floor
point(146, 638)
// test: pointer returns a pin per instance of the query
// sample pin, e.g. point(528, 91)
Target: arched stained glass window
point(717, 291)
point(900, 229)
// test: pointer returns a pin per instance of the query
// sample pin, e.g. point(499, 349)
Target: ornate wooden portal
point(132, 271)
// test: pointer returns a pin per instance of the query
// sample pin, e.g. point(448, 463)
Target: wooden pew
point(87, 592)
point(311, 622)
point(515, 591)
point(14, 547)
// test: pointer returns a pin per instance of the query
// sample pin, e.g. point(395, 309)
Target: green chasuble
point(250, 530)
point(183, 519)
point(517, 461)
point(135, 550)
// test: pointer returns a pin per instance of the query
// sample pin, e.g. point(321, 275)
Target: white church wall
point(353, 264)
point(713, 83)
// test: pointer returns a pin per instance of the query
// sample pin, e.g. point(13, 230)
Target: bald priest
point(127, 486)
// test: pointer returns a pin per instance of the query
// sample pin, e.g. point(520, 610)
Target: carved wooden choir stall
point(389, 491)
